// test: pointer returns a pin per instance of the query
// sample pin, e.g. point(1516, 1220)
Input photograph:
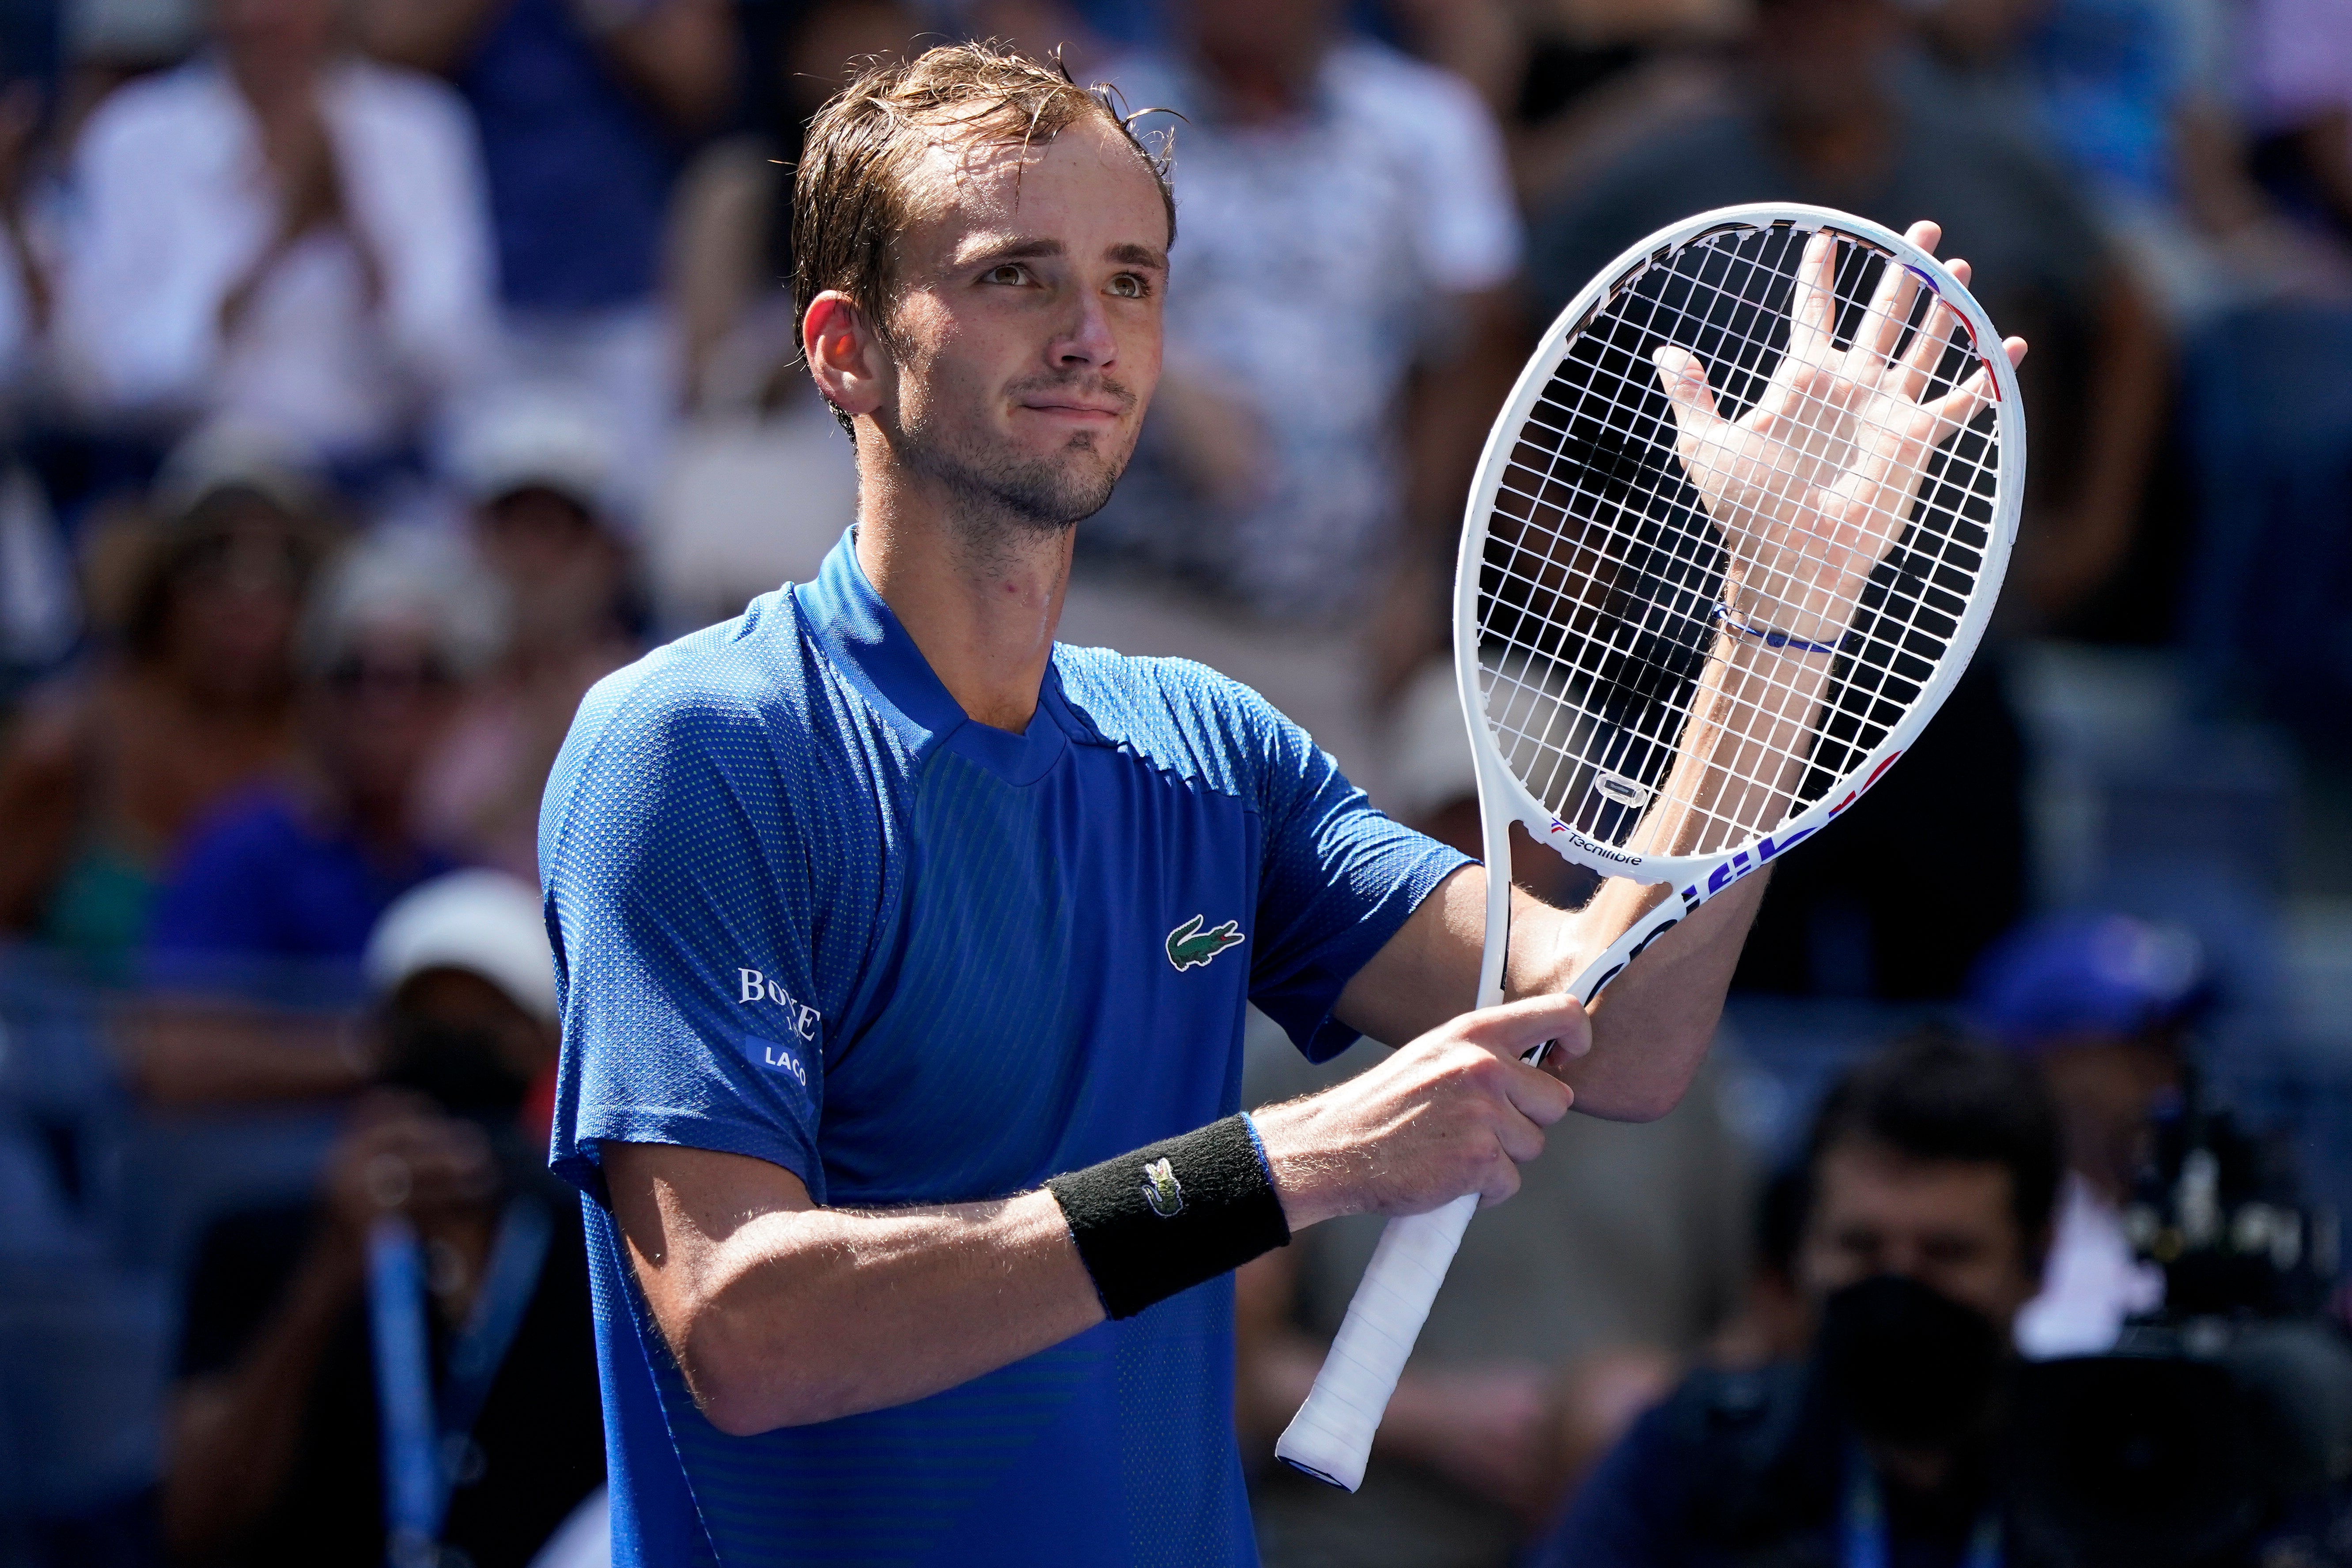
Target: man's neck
point(982, 612)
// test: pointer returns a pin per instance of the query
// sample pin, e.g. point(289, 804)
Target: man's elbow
point(1631, 1102)
point(746, 1379)
point(1651, 1091)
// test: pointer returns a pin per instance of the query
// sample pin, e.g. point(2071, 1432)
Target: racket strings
point(1604, 569)
point(1613, 714)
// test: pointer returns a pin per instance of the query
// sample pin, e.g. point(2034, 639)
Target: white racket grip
point(1331, 1436)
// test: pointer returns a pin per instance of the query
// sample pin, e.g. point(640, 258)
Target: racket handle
point(1331, 1436)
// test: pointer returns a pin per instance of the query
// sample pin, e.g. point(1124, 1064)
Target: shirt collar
point(861, 635)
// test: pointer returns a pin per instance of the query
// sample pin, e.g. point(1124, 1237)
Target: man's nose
point(1085, 337)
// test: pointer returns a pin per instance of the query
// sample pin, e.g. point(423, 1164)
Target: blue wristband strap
point(1766, 636)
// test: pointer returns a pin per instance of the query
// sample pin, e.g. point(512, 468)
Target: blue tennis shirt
point(806, 910)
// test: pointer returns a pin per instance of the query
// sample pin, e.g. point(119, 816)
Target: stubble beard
point(1004, 500)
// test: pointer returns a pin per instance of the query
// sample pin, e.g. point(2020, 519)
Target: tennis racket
point(1733, 538)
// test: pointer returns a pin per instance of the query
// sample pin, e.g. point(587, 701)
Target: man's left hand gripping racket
point(1733, 538)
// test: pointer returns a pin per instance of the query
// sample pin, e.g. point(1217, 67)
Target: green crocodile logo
point(1160, 1191)
point(1188, 945)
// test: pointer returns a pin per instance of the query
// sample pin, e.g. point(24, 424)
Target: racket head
point(1580, 488)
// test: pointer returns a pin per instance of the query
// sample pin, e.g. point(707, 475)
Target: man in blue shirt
point(905, 952)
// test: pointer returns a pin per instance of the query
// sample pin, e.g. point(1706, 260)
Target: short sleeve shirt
point(804, 910)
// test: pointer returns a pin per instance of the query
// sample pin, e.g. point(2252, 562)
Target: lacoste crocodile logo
point(1189, 946)
point(1160, 1191)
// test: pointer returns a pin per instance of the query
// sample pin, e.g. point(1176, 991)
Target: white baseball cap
point(483, 922)
point(535, 439)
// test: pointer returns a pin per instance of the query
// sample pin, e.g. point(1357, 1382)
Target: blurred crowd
point(375, 375)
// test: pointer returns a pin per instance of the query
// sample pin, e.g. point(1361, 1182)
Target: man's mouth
point(1086, 403)
point(1083, 409)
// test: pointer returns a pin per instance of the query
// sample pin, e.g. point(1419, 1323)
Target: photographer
point(1912, 1434)
point(278, 1427)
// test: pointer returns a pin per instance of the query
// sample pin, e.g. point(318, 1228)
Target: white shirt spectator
point(2092, 1282)
point(1309, 255)
point(176, 204)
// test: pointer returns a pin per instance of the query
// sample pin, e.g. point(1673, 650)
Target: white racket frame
point(1331, 1437)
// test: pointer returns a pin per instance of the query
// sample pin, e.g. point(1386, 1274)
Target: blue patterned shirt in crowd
point(580, 167)
point(265, 877)
point(806, 910)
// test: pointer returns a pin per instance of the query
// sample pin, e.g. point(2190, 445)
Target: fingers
point(1513, 1028)
point(1927, 234)
point(1684, 380)
point(1919, 361)
point(1960, 405)
point(1812, 303)
point(1889, 313)
point(1521, 1137)
point(1537, 1095)
point(1499, 1182)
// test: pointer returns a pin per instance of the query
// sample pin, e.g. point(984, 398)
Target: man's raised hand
point(1812, 486)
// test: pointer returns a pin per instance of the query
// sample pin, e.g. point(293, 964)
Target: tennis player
point(905, 952)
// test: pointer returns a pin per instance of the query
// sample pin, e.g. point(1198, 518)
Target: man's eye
point(1011, 272)
point(1128, 286)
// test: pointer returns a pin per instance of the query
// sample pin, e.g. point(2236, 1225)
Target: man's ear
point(844, 354)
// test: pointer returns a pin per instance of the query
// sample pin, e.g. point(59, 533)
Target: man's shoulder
point(749, 692)
point(1178, 715)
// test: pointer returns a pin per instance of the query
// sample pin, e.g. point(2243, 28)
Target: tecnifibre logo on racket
point(1590, 847)
point(1189, 946)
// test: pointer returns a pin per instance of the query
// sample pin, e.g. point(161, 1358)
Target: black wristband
point(1173, 1214)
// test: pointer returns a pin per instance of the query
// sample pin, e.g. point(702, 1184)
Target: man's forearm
point(1751, 718)
point(782, 1313)
point(1651, 1027)
point(826, 1312)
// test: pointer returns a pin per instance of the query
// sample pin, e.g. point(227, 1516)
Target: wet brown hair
point(853, 193)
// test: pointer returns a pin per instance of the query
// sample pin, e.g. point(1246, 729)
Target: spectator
point(28, 258)
point(2298, 69)
point(1337, 333)
point(539, 473)
point(761, 482)
point(1567, 1311)
point(276, 1453)
point(301, 866)
point(1912, 1433)
point(1932, 1172)
point(2102, 1004)
point(190, 701)
point(280, 233)
point(2138, 97)
point(1830, 115)
point(585, 109)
